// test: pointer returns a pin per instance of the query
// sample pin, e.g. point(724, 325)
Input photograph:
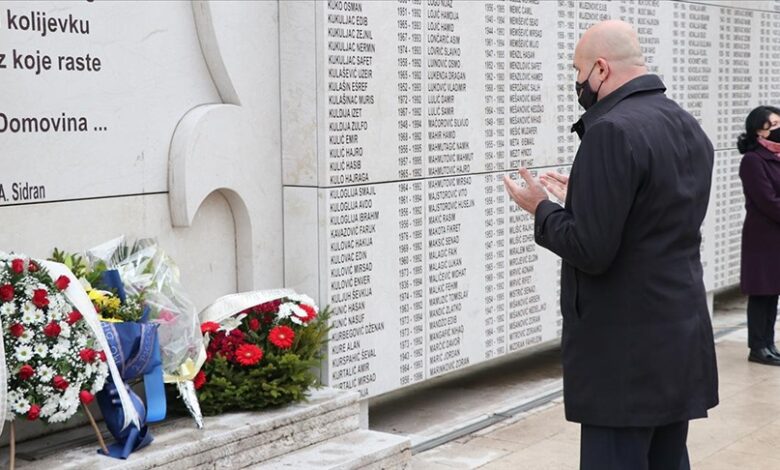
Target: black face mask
point(774, 135)
point(586, 96)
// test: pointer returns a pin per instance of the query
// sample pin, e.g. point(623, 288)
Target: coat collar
point(647, 82)
point(766, 154)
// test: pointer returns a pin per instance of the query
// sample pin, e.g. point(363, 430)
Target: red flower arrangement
point(261, 356)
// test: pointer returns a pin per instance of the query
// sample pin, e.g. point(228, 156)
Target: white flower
point(41, 350)
point(28, 313)
point(231, 323)
point(20, 405)
point(49, 407)
point(69, 403)
point(45, 373)
point(60, 349)
point(13, 395)
point(65, 330)
point(24, 353)
point(285, 310)
point(100, 379)
point(26, 336)
point(292, 311)
point(57, 309)
point(71, 394)
point(299, 312)
point(82, 341)
point(38, 316)
point(59, 417)
point(7, 309)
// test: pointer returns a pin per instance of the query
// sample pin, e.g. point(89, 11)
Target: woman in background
point(760, 270)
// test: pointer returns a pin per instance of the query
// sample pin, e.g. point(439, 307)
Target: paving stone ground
point(742, 433)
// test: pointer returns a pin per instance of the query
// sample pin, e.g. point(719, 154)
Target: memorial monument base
point(323, 433)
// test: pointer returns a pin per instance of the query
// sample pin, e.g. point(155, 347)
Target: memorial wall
point(127, 118)
point(399, 121)
point(352, 150)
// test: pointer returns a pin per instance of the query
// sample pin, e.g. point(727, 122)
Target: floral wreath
point(54, 361)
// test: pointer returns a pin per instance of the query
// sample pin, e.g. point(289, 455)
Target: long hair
point(756, 120)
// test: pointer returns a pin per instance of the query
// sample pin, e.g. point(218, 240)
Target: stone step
point(364, 450)
point(234, 440)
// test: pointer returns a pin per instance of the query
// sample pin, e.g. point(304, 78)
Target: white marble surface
point(147, 52)
point(418, 109)
point(182, 142)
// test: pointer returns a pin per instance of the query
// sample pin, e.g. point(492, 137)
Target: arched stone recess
point(225, 147)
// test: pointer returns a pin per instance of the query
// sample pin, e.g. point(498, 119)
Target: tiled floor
point(742, 433)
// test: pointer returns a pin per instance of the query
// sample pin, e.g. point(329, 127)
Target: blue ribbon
point(135, 347)
point(130, 438)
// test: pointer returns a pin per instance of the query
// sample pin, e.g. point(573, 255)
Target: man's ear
point(602, 68)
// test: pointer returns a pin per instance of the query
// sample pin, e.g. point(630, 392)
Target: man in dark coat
point(638, 350)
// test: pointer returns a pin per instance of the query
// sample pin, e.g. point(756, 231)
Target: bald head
point(611, 50)
point(615, 41)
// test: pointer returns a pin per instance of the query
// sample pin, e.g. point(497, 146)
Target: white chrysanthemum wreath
point(53, 360)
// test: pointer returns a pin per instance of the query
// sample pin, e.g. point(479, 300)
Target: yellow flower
point(95, 295)
point(111, 303)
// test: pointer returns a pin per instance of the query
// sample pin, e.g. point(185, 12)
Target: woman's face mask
point(774, 135)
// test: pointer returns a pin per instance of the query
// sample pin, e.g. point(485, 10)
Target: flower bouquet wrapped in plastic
point(147, 272)
point(133, 345)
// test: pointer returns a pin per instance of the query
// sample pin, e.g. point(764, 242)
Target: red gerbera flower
point(282, 337)
point(311, 313)
point(248, 354)
point(209, 327)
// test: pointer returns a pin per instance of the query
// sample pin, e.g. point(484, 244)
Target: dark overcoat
point(760, 174)
point(637, 340)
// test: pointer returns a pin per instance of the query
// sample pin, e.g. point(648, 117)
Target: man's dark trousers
point(647, 448)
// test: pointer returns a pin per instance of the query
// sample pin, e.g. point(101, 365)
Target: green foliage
point(79, 266)
point(106, 303)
